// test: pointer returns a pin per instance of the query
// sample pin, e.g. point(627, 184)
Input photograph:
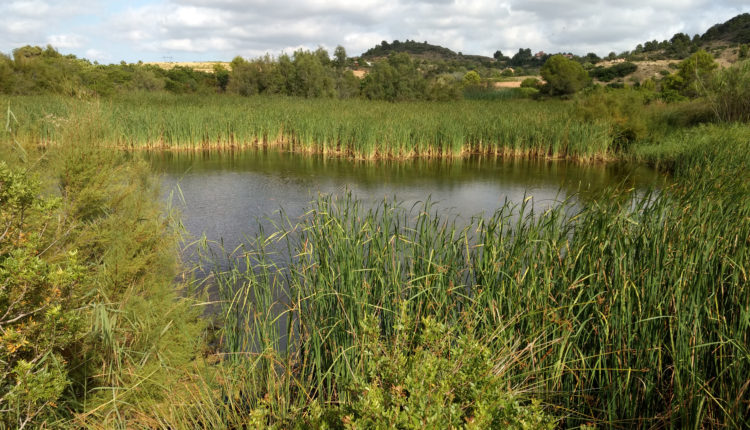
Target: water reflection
point(228, 195)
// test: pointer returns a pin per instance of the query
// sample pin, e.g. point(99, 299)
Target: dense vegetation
point(627, 310)
point(735, 30)
point(618, 70)
point(355, 128)
point(89, 317)
point(35, 70)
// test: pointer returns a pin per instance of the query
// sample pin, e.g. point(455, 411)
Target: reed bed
point(627, 311)
point(354, 128)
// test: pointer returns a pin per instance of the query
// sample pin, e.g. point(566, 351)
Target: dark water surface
point(228, 195)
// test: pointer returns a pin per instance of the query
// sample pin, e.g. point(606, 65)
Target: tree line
point(37, 70)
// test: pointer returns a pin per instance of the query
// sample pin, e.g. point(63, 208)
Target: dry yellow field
point(199, 66)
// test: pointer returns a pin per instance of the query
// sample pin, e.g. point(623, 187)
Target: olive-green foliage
point(531, 83)
point(471, 79)
point(305, 74)
point(36, 70)
point(735, 30)
point(358, 128)
point(623, 109)
point(394, 79)
point(619, 70)
point(563, 76)
point(253, 77)
point(222, 76)
point(314, 75)
point(138, 328)
point(444, 88)
point(729, 93)
point(692, 78)
point(91, 325)
point(7, 78)
point(347, 85)
point(430, 376)
point(40, 330)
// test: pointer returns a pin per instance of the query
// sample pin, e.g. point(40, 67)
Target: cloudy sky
point(193, 30)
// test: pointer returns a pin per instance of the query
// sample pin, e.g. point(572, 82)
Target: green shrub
point(41, 330)
point(563, 76)
point(435, 379)
point(729, 93)
point(531, 83)
point(618, 70)
point(623, 109)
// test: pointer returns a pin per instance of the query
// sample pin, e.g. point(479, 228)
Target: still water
point(228, 195)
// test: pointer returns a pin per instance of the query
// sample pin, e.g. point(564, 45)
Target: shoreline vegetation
point(627, 310)
point(355, 129)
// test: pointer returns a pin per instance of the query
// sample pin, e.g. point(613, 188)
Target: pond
point(229, 195)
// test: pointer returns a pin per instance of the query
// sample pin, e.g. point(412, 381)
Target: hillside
point(736, 30)
point(422, 50)
point(650, 60)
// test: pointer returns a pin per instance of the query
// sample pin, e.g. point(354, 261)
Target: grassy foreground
point(626, 311)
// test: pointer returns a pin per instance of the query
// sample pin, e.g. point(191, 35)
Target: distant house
point(539, 54)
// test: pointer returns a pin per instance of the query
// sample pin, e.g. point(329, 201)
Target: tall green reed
point(357, 128)
point(631, 309)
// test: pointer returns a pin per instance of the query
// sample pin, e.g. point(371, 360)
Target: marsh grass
point(623, 311)
point(627, 310)
point(354, 128)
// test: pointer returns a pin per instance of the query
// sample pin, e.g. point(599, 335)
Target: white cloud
point(221, 29)
point(97, 55)
point(66, 41)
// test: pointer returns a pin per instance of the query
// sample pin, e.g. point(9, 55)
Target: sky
point(193, 30)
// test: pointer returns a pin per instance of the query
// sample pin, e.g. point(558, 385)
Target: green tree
point(522, 57)
point(312, 77)
point(6, 74)
point(694, 74)
point(347, 85)
point(498, 55)
point(592, 58)
point(563, 76)
point(398, 78)
point(339, 57)
point(471, 79)
point(222, 77)
point(680, 45)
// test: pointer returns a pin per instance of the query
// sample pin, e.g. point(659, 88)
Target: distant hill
point(419, 49)
point(736, 30)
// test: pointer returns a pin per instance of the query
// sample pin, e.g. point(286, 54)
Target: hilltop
point(423, 50)
point(716, 39)
point(736, 30)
